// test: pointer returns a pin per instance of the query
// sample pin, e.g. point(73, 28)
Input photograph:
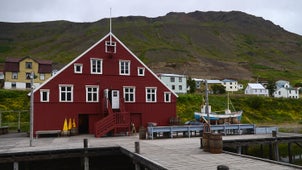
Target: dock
point(225, 129)
point(167, 153)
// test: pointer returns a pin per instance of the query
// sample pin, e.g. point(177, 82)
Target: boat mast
point(228, 101)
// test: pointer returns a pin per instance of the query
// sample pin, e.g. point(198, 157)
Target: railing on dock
point(188, 129)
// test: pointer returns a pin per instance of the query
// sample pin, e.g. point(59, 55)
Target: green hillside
point(199, 44)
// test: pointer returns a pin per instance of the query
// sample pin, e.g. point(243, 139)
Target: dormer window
point(110, 47)
point(28, 65)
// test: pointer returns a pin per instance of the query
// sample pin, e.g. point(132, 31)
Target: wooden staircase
point(116, 121)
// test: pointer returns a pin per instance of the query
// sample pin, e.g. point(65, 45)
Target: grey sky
point(286, 13)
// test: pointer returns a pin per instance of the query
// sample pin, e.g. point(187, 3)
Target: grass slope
point(200, 44)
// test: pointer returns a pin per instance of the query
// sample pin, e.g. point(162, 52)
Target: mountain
point(213, 45)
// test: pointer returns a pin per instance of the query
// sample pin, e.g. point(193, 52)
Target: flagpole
point(31, 133)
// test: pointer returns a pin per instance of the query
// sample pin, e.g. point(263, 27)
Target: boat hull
point(234, 117)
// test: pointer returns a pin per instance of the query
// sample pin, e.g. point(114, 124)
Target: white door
point(115, 99)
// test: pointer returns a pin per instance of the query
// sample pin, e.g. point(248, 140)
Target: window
point(28, 65)
point(92, 93)
point(172, 79)
point(96, 66)
point(110, 47)
point(173, 87)
point(180, 87)
point(124, 67)
point(44, 95)
point(167, 96)
point(141, 71)
point(129, 94)
point(42, 76)
point(14, 85)
point(14, 75)
point(28, 85)
point(66, 93)
point(150, 94)
point(28, 76)
point(179, 79)
point(78, 68)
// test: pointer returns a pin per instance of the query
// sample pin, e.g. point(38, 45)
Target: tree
point(218, 89)
point(271, 87)
point(192, 85)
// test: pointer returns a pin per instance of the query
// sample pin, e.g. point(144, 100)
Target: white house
point(176, 82)
point(198, 82)
point(1, 75)
point(230, 85)
point(256, 89)
point(283, 89)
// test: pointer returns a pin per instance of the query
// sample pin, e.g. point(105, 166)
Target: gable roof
point(228, 80)
point(255, 86)
point(94, 45)
point(170, 75)
point(12, 64)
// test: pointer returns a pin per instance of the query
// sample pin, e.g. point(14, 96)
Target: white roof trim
point(70, 63)
point(109, 34)
point(144, 64)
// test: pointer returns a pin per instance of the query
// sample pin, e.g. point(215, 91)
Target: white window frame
point(92, 93)
point(172, 79)
point(124, 66)
point(100, 65)
point(139, 70)
point(14, 75)
point(47, 95)
point(180, 87)
point(167, 95)
point(66, 95)
point(127, 94)
point(42, 76)
point(151, 96)
point(80, 66)
point(28, 65)
point(110, 44)
point(173, 87)
point(28, 76)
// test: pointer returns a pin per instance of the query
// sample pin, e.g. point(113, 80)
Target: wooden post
point(276, 151)
point(290, 159)
point(19, 129)
point(270, 148)
point(137, 148)
point(0, 118)
point(261, 150)
point(239, 150)
point(86, 159)
point(137, 166)
point(16, 166)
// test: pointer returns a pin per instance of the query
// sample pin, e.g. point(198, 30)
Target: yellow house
point(18, 72)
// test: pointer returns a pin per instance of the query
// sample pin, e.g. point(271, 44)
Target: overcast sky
point(286, 13)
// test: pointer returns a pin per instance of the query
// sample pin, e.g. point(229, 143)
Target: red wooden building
point(104, 89)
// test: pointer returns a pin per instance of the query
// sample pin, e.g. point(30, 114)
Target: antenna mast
point(110, 28)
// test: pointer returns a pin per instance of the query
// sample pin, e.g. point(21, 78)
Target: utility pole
point(31, 133)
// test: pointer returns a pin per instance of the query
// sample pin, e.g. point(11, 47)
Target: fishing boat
point(226, 117)
point(205, 115)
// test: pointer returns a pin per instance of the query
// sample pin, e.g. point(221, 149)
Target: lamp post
point(31, 133)
point(207, 105)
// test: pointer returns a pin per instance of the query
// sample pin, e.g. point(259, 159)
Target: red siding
point(51, 115)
